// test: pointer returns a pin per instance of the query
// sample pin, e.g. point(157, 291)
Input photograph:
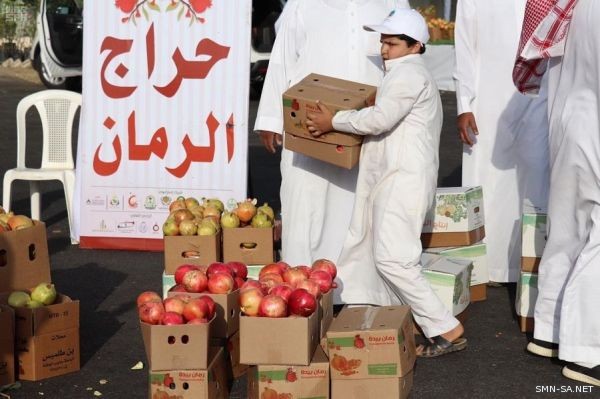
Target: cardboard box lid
point(457, 190)
point(26, 249)
point(442, 264)
point(369, 318)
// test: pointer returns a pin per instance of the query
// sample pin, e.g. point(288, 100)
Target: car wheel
point(48, 81)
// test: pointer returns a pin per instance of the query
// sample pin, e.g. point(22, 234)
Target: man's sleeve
point(465, 38)
point(284, 56)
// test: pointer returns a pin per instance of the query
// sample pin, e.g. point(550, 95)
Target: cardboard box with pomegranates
point(341, 149)
point(456, 218)
point(208, 383)
point(375, 388)
point(287, 340)
point(177, 347)
point(24, 259)
point(227, 320)
point(371, 342)
point(275, 381)
point(195, 250)
point(250, 245)
point(7, 345)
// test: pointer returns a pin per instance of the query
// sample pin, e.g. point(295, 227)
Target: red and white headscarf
point(543, 36)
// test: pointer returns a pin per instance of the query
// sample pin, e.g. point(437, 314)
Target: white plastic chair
point(57, 109)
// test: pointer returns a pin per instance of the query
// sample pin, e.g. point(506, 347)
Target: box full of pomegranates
point(219, 281)
point(176, 333)
point(46, 331)
point(275, 381)
point(24, 259)
point(371, 342)
point(7, 345)
point(208, 383)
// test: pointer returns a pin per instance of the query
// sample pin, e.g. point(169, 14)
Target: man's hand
point(466, 122)
point(320, 122)
point(270, 140)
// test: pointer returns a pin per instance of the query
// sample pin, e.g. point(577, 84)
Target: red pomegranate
point(126, 5)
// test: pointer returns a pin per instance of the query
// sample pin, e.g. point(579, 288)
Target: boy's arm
point(392, 105)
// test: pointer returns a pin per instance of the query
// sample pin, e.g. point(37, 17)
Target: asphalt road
point(494, 365)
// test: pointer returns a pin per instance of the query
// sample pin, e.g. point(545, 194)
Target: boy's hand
point(466, 122)
point(270, 140)
point(319, 123)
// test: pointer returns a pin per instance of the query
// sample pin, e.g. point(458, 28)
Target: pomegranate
point(215, 203)
point(290, 376)
point(310, 286)
point(269, 281)
point(294, 276)
point(339, 363)
point(171, 318)
point(245, 211)
point(18, 299)
point(283, 290)
point(191, 203)
point(260, 220)
point(229, 220)
point(198, 321)
point(182, 270)
point(324, 280)
point(195, 309)
point(182, 214)
point(200, 6)
point(250, 299)
point(210, 303)
point(271, 268)
point(250, 284)
point(18, 222)
point(218, 267)
point(148, 296)
point(195, 281)
point(170, 228)
point(239, 269)
point(302, 303)
point(326, 265)
point(271, 276)
point(188, 228)
point(177, 204)
point(211, 211)
point(206, 230)
point(220, 283)
point(267, 210)
point(304, 269)
point(174, 305)
point(272, 306)
point(269, 393)
point(359, 343)
point(44, 293)
point(178, 288)
point(238, 282)
point(151, 312)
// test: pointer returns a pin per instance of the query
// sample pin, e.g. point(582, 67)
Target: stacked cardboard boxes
point(371, 352)
point(449, 279)
point(533, 244)
point(46, 338)
point(340, 149)
point(454, 228)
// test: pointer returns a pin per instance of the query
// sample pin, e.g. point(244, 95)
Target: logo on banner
point(192, 9)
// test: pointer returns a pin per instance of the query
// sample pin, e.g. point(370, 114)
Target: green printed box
point(168, 282)
point(477, 253)
point(371, 342)
point(449, 279)
point(533, 239)
point(527, 293)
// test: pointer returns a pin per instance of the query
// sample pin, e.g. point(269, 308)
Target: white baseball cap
point(403, 21)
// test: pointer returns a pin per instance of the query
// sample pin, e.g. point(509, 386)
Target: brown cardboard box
point(47, 339)
point(371, 342)
point(195, 250)
point(231, 346)
point(379, 388)
point(478, 292)
point(288, 340)
point(310, 381)
point(7, 345)
point(326, 312)
point(227, 320)
point(178, 347)
point(345, 156)
point(530, 265)
point(210, 383)
point(24, 260)
point(336, 94)
point(454, 239)
point(235, 238)
point(526, 324)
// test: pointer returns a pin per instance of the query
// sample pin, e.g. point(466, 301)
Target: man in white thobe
point(505, 133)
point(566, 311)
point(324, 37)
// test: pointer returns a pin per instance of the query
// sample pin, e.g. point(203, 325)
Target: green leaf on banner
point(180, 14)
point(145, 14)
point(172, 6)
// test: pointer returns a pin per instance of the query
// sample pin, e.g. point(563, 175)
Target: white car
point(57, 48)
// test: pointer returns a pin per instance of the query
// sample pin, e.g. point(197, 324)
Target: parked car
point(57, 49)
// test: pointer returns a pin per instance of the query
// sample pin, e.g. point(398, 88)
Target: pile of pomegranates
point(176, 310)
point(283, 291)
point(248, 214)
point(216, 278)
point(9, 221)
point(189, 217)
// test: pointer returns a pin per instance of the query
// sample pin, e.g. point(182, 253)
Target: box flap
point(328, 89)
point(369, 318)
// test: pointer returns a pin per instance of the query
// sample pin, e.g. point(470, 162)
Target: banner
point(165, 114)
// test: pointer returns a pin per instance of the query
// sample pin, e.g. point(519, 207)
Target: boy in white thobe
point(380, 262)
point(566, 311)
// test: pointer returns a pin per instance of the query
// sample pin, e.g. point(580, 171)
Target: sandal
point(438, 346)
point(582, 374)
